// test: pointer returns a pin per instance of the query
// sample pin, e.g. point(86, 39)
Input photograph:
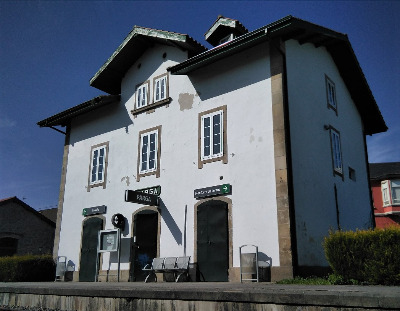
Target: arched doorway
point(145, 241)
point(213, 249)
point(88, 260)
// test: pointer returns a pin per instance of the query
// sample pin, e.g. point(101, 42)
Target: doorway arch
point(145, 240)
point(88, 258)
point(213, 251)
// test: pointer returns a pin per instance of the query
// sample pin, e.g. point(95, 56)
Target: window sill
point(160, 103)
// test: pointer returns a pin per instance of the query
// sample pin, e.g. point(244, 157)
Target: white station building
point(259, 140)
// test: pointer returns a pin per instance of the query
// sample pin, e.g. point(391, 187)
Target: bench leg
point(179, 275)
point(147, 277)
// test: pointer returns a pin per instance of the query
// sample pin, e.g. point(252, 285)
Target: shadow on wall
point(102, 120)
point(251, 66)
point(170, 222)
point(125, 252)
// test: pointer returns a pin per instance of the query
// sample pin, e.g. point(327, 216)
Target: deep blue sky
point(50, 50)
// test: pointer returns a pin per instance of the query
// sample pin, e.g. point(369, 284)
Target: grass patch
point(332, 279)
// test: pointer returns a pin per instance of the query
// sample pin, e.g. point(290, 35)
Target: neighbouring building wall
point(384, 216)
point(318, 209)
point(34, 233)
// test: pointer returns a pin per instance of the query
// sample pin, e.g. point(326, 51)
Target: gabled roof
point(222, 27)
point(380, 171)
point(108, 78)
point(27, 207)
point(337, 44)
point(64, 117)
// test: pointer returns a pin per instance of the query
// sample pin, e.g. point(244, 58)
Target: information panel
point(109, 240)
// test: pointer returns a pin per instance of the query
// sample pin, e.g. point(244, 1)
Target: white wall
point(245, 89)
point(311, 152)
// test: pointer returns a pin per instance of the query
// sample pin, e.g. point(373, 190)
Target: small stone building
point(23, 230)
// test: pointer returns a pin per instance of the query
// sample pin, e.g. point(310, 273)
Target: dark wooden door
point(144, 243)
point(87, 266)
point(212, 241)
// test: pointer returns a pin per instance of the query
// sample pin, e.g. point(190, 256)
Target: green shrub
point(27, 268)
point(370, 256)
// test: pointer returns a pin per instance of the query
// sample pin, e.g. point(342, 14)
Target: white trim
point(331, 94)
point(212, 135)
point(142, 95)
point(336, 152)
point(149, 150)
point(388, 193)
point(160, 88)
point(97, 165)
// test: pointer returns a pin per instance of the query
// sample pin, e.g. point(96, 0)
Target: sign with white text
point(156, 190)
point(212, 191)
point(94, 210)
point(140, 197)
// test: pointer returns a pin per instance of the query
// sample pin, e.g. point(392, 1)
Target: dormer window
point(228, 38)
point(142, 95)
point(161, 87)
point(224, 30)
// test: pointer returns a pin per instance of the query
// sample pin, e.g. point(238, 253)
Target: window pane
point(216, 134)
point(144, 99)
point(153, 149)
point(94, 165)
point(396, 191)
point(162, 88)
point(144, 152)
point(206, 146)
point(139, 98)
point(158, 90)
point(206, 136)
point(336, 154)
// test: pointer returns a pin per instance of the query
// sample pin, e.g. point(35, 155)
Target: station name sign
point(141, 197)
point(156, 190)
point(94, 210)
point(212, 191)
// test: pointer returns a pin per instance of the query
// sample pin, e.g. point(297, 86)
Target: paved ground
point(342, 296)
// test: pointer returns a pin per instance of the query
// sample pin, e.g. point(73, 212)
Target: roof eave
point(64, 117)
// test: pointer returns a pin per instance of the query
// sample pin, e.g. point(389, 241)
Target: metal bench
point(176, 265)
point(156, 266)
point(181, 267)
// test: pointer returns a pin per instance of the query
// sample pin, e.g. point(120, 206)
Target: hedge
point(369, 256)
point(27, 268)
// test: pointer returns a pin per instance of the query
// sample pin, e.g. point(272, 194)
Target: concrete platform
point(197, 296)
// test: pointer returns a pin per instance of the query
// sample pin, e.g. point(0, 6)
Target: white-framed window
point(149, 152)
point(212, 135)
point(161, 88)
point(336, 152)
point(142, 95)
point(390, 192)
point(331, 94)
point(98, 165)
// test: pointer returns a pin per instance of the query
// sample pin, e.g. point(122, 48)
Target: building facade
point(385, 187)
point(24, 230)
point(259, 140)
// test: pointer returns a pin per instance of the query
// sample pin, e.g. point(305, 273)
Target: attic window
point(228, 38)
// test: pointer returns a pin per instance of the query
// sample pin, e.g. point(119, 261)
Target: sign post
point(109, 241)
